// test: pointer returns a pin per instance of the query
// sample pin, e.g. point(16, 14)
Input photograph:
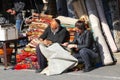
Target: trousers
point(42, 61)
point(18, 25)
point(85, 55)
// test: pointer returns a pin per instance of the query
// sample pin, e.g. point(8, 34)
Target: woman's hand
point(72, 46)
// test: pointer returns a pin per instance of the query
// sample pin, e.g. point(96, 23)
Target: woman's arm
point(87, 42)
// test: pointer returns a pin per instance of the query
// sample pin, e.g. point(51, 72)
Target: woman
point(83, 45)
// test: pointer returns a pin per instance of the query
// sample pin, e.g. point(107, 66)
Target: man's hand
point(13, 12)
point(47, 42)
point(9, 10)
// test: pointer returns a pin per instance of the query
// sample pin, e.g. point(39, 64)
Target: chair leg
point(0, 60)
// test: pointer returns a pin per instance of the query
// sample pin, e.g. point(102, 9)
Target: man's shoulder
point(63, 28)
point(48, 28)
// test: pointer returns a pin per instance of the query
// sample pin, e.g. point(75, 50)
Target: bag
point(97, 62)
point(3, 20)
point(96, 46)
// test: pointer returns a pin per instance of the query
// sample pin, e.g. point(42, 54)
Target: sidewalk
point(103, 73)
point(117, 56)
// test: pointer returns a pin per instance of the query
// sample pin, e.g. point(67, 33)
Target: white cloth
point(67, 20)
point(59, 59)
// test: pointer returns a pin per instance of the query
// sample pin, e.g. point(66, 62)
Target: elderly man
point(53, 34)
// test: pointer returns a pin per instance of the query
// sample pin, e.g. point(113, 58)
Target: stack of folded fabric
point(27, 59)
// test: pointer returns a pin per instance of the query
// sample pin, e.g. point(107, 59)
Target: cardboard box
point(8, 33)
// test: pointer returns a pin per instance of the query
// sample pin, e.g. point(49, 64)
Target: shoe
point(38, 70)
point(88, 69)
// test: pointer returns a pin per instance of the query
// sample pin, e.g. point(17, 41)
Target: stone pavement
point(111, 72)
point(117, 56)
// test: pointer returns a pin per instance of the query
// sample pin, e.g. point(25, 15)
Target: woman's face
point(78, 30)
point(54, 25)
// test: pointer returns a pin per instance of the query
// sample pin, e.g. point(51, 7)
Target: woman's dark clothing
point(84, 40)
point(42, 61)
point(85, 53)
point(60, 36)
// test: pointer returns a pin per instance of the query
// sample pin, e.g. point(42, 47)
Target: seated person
point(54, 33)
point(83, 45)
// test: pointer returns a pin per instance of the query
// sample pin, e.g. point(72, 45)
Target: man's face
point(54, 25)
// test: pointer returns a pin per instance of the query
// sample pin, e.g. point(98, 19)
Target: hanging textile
point(52, 9)
point(114, 8)
point(37, 5)
point(97, 32)
point(62, 7)
point(107, 13)
point(105, 26)
point(79, 8)
point(71, 12)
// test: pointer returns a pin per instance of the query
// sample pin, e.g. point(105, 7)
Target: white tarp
point(59, 59)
